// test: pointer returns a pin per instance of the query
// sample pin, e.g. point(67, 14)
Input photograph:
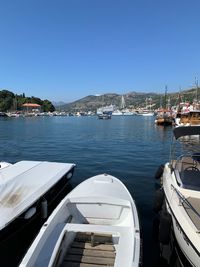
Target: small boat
point(145, 113)
point(117, 112)
point(29, 191)
point(181, 187)
point(96, 224)
point(105, 116)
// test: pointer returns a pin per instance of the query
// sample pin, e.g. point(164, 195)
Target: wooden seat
point(90, 250)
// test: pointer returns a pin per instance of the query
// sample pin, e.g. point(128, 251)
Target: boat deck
point(90, 250)
point(195, 203)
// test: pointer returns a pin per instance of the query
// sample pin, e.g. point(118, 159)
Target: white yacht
point(96, 224)
point(181, 185)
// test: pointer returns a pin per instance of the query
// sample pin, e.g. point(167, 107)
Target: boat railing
point(183, 200)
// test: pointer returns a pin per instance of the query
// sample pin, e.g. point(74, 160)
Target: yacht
point(181, 185)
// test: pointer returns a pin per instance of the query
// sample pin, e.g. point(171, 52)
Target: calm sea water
point(130, 148)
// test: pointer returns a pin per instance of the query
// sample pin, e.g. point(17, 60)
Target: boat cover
point(186, 130)
point(23, 183)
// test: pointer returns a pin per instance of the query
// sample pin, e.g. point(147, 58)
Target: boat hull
point(189, 251)
point(182, 229)
point(19, 233)
point(100, 205)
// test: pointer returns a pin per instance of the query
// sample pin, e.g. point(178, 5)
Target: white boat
point(4, 164)
point(29, 191)
point(106, 109)
point(117, 112)
point(145, 113)
point(96, 224)
point(181, 185)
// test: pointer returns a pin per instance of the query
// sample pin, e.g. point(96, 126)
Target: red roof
point(31, 105)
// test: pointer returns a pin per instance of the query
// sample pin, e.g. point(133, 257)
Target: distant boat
point(123, 111)
point(147, 110)
point(117, 112)
point(106, 109)
point(164, 117)
point(146, 113)
point(105, 116)
point(96, 224)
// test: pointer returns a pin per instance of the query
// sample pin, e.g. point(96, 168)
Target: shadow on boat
point(13, 248)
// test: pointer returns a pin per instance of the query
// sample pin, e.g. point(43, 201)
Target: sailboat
point(164, 116)
point(123, 111)
point(147, 111)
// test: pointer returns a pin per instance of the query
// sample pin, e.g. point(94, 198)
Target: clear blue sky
point(63, 50)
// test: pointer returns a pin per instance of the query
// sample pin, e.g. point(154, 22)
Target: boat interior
point(96, 233)
point(187, 171)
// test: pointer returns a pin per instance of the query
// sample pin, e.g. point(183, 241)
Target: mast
point(123, 105)
point(165, 103)
point(197, 88)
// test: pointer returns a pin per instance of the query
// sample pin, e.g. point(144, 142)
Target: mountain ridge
point(132, 99)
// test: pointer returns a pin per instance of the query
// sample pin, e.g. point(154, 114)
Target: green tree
point(47, 106)
point(6, 100)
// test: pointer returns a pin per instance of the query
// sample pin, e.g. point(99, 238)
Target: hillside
point(132, 100)
point(12, 102)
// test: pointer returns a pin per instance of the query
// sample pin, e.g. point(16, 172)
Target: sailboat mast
point(197, 88)
point(165, 104)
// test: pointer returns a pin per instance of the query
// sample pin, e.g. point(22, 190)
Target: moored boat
point(181, 185)
point(96, 224)
point(188, 118)
point(29, 191)
point(105, 116)
point(164, 117)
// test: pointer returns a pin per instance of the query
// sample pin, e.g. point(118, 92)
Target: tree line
point(12, 102)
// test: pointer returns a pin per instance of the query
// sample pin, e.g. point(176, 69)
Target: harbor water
point(128, 147)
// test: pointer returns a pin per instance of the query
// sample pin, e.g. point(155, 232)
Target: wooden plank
point(96, 247)
point(90, 252)
point(90, 260)
point(98, 238)
point(77, 264)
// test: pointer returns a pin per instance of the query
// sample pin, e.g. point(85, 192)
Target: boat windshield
point(185, 158)
point(185, 141)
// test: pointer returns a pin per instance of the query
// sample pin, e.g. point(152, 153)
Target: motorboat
point(96, 224)
point(105, 116)
point(181, 185)
point(29, 191)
